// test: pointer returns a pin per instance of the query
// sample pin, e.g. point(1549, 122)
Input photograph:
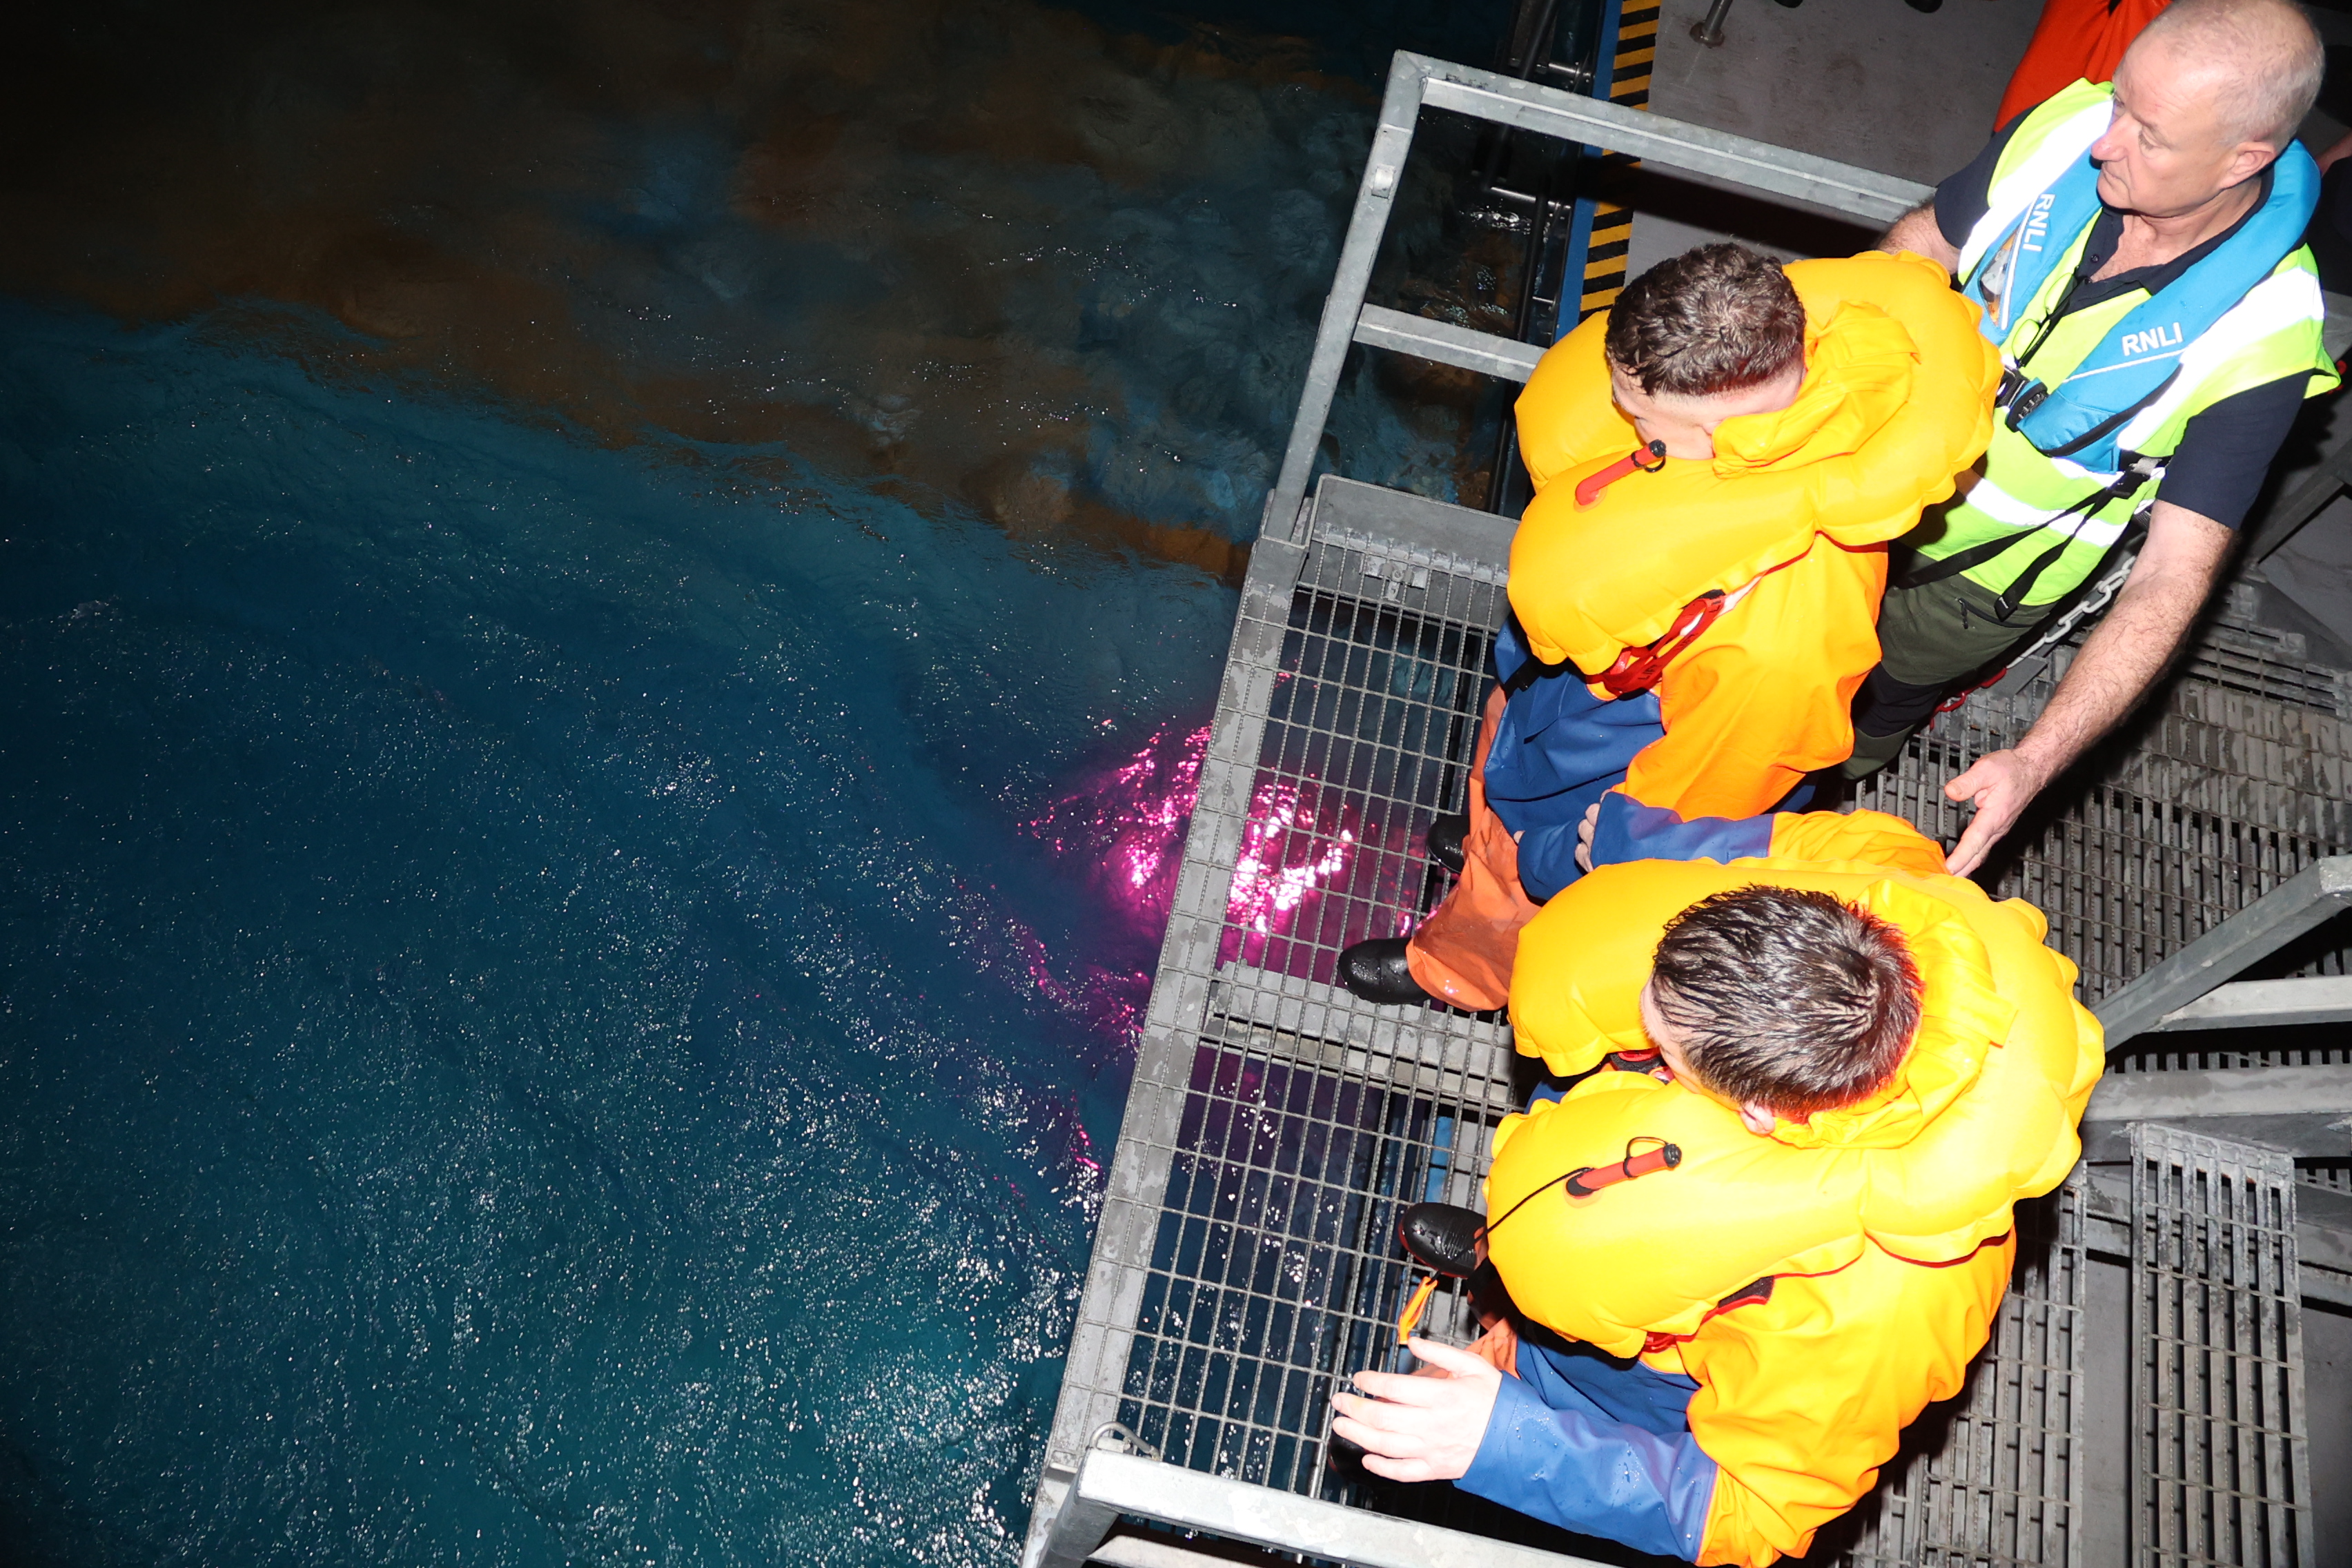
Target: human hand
point(2337, 150)
point(1584, 832)
point(2000, 786)
point(1421, 1428)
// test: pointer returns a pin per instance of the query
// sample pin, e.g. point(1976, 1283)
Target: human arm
point(1619, 829)
point(1938, 227)
point(1421, 1428)
point(1498, 1438)
point(1916, 231)
point(2151, 617)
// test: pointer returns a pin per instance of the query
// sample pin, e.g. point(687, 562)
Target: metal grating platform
point(2217, 1330)
point(2241, 778)
point(1246, 1255)
point(1994, 1479)
point(1246, 1259)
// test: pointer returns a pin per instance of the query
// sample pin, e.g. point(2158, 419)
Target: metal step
point(1995, 1477)
point(2219, 1472)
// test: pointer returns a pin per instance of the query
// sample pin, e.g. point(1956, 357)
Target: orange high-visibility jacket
point(1884, 1226)
point(1794, 509)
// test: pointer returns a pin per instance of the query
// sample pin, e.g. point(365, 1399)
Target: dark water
point(575, 583)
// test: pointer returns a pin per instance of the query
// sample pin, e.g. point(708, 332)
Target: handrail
point(1109, 1484)
point(1418, 81)
point(1674, 143)
point(2305, 899)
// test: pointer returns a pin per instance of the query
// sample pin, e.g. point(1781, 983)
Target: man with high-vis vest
point(2138, 249)
point(1772, 1221)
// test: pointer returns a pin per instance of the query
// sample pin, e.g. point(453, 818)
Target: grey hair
point(2266, 52)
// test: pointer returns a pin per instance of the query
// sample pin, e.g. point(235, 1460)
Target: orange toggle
point(1589, 490)
point(1410, 1318)
point(1649, 1161)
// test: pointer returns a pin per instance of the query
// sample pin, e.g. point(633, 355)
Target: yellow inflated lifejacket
point(1822, 1286)
point(1896, 399)
point(1983, 1111)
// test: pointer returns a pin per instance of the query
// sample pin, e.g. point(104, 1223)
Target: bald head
point(2260, 60)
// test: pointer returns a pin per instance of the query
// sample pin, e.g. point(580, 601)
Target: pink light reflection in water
point(1304, 841)
point(1125, 824)
point(1300, 840)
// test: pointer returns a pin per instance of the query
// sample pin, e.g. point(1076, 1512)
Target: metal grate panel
point(2220, 1473)
point(1309, 1117)
point(1247, 1256)
point(1992, 1479)
point(2242, 778)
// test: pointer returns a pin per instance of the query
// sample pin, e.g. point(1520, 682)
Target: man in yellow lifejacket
point(1720, 462)
point(1776, 1223)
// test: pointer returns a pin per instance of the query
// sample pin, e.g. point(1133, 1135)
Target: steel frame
point(2187, 991)
point(1111, 1482)
point(1416, 81)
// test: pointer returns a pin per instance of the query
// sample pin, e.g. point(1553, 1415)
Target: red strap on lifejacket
point(1583, 1183)
point(1638, 668)
point(1589, 490)
point(1754, 1293)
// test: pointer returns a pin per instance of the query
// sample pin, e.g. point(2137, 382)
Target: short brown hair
point(1790, 1000)
point(1721, 318)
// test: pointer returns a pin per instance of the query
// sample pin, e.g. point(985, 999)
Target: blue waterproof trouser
point(1558, 750)
point(1599, 1446)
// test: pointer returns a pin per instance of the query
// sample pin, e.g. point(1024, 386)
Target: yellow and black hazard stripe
point(1612, 226)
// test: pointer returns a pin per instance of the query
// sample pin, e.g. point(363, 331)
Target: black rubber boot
point(1376, 971)
point(1444, 839)
point(1441, 1237)
point(1924, 4)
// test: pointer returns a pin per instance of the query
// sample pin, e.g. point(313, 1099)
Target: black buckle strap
point(2138, 471)
point(2020, 395)
point(1535, 670)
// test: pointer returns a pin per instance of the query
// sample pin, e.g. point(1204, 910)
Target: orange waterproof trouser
point(1464, 951)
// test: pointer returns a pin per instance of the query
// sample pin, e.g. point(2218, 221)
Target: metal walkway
point(1244, 1260)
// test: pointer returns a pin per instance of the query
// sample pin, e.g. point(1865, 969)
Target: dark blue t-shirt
point(2225, 450)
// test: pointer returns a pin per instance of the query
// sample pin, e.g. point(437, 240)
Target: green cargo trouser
point(1929, 639)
